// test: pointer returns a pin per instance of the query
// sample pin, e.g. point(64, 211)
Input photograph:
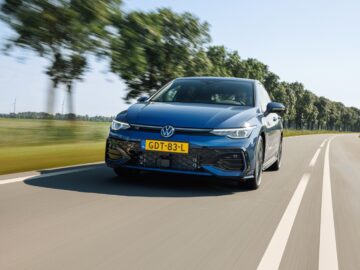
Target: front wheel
point(277, 164)
point(255, 182)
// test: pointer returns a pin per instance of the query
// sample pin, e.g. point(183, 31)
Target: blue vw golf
point(225, 127)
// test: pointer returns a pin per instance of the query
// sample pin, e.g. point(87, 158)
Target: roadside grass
point(295, 132)
point(30, 132)
point(30, 158)
point(27, 145)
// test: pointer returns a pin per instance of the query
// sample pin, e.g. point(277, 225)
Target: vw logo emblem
point(167, 131)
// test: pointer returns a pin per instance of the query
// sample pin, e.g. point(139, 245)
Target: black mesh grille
point(117, 149)
point(226, 159)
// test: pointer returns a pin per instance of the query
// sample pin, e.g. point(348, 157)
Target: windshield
point(210, 91)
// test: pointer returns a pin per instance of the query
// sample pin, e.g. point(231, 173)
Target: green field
point(40, 144)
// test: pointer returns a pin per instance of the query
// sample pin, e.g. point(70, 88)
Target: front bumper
point(207, 158)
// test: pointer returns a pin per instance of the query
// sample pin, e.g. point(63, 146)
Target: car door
point(271, 124)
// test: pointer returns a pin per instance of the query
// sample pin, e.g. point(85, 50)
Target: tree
point(66, 71)
point(220, 61)
point(291, 105)
point(271, 82)
point(199, 64)
point(280, 95)
point(63, 31)
point(254, 69)
point(310, 112)
point(347, 119)
point(333, 116)
point(153, 48)
point(298, 90)
point(322, 105)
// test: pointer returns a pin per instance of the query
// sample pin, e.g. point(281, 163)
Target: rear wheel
point(255, 182)
point(124, 172)
point(277, 164)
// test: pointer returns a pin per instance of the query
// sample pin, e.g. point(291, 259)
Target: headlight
point(234, 133)
point(116, 125)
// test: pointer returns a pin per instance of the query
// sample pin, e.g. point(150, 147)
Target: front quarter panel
point(252, 140)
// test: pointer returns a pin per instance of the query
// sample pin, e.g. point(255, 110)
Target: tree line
point(148, 49)
point(57, 116)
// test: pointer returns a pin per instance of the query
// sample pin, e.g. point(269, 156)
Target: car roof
point(217, 78)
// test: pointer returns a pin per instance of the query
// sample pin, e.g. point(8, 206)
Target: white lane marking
point(323, 143)
point(37, 176)
point(18, 179)
point(327, 250)
point(274, 252)
point(315, 157)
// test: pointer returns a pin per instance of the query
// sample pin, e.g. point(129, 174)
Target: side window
point(263, 97)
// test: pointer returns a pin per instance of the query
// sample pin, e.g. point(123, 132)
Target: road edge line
point(37, 176)
point(328, 258)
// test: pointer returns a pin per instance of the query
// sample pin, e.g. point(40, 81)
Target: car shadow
point(102, 180)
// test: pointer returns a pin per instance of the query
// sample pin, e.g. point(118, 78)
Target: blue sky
point(314, 42)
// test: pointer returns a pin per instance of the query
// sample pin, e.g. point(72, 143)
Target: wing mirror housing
point(274, 107)
point(142, 99)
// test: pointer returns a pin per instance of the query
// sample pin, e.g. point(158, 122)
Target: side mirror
point(142, 99)
point(274, 107)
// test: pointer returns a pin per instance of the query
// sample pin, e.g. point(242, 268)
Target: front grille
point(178, 130)
point(174, 161)
point(225, 159)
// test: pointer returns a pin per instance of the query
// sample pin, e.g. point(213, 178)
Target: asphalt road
point(305, 216)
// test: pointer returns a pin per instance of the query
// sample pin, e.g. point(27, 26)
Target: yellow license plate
point(164, 146)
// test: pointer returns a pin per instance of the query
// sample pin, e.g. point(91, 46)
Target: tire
point(123, 172)
point(277, 164)
point(255, 182)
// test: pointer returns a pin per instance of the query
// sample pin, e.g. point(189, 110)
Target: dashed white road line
point(323, 143)
point(275, 250)
point(327, 250)
point(315, 157)
point(23, 178)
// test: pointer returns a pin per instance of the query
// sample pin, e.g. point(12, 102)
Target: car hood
point(188, 115)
